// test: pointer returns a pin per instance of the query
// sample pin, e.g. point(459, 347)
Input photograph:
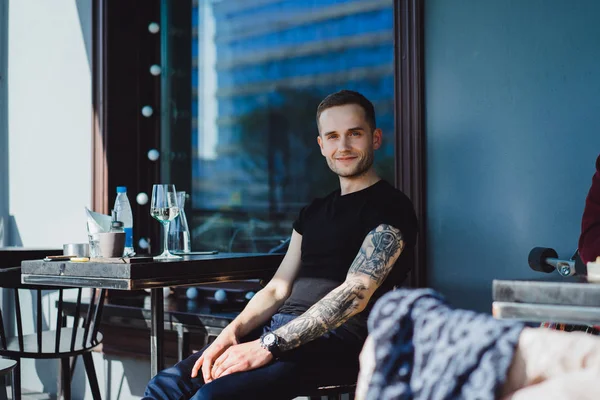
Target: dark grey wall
point(513, 131)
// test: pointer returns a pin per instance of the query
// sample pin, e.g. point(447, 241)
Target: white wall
point(45, 137)
point(3, 123)
point(49, 120)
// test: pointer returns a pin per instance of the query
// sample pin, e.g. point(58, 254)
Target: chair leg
point(183, 343)
point(12, 387)
point(186, 345)
point(17, 380)
point(91, 373)
point(73, 364)
point(66, 378)
point(180, 350)
point(3, 388)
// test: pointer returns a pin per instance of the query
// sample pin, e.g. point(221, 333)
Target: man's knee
point(168, 384)
point(175, 382)
point(224, 390)
point(208, 392)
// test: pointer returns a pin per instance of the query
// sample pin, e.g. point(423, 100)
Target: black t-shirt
point(333, 229)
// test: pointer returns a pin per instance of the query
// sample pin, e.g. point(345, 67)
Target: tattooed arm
point(372, 264)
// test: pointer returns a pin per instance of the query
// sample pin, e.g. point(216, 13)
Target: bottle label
point(128, 237)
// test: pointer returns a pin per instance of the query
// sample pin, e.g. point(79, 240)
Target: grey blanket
point(426, 350)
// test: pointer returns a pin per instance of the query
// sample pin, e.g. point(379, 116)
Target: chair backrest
point(64, 340)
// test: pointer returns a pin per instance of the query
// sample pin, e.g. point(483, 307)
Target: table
point(154, 275)
point(572, 300)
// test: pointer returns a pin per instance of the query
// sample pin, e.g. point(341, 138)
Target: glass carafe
point(179, 232)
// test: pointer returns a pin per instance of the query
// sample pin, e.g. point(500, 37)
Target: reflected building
point(260, 69)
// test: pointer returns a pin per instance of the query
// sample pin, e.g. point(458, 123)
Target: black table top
point(191, 270)
point(13, 256)
point(572, 291)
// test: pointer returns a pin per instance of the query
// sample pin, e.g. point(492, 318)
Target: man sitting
point(307, 326)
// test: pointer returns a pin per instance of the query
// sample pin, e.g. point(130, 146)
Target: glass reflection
point(259, 70)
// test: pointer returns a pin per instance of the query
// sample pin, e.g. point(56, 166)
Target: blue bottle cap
point(121, 189)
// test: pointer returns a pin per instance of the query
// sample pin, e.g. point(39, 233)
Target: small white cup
point(76, 249)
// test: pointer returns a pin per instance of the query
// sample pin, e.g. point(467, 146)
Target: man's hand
point(243, 357)
point(223, 342)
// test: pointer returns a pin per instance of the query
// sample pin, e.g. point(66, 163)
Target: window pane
point(259, 68)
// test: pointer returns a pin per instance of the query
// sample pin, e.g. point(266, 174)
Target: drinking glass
point(164, 208)
point(179, 233)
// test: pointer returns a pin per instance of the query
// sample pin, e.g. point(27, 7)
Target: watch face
point(269, 339)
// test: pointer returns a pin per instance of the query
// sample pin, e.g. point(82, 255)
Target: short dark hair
point(344, 97)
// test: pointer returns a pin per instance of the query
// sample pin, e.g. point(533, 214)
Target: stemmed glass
point(164, 208)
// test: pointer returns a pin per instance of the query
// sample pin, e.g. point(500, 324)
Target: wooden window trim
point(99, 137)
point(122, 52)
point(409, 126)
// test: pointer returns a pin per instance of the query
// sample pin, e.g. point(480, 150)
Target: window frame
point(409, 77)
point(123, 51)
point(121, 39)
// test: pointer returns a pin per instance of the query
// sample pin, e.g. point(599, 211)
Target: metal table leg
point(157, 330)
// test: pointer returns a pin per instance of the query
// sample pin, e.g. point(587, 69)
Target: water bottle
point(123, 209)
point(116, 226)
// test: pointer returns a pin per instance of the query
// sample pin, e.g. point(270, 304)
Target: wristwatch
point(270, 341)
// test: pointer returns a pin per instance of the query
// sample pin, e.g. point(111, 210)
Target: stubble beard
point(363, 165)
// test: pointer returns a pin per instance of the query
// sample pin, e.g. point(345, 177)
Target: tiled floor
point(29, 395)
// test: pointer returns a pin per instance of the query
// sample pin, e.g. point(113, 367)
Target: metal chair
point(334, 392)
point(64, 343)
point(6, 368)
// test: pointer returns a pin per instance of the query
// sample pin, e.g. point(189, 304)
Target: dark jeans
point(329, 360)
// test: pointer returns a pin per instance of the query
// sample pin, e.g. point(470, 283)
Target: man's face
point(346, 140)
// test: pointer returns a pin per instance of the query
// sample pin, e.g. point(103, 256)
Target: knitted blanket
point(426, 350)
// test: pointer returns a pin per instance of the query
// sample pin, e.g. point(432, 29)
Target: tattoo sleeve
point(376, 256)
point(374, 261)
